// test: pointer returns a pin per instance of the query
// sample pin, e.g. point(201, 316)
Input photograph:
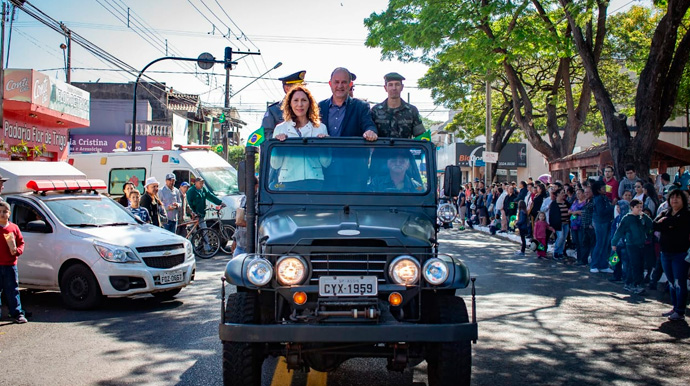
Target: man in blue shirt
point(683, 178)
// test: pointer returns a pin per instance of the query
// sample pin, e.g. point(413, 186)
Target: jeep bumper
point(323, 333)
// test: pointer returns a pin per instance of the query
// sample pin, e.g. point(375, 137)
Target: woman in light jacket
point(300, 169)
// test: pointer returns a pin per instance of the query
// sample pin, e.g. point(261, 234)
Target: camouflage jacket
point(400, 122)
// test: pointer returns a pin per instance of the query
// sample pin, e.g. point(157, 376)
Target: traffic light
point(206, 138)
point(228, 58)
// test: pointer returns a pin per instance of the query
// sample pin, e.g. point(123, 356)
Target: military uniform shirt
point(272, 118)
point(401, 122)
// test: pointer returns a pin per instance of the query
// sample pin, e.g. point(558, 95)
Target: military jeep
point(343, 262)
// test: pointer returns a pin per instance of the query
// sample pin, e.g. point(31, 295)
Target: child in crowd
point(635, 228)
point(620, 271)
point(540, 227)
point(9, 252)
point(142, 213)
point(523, 226)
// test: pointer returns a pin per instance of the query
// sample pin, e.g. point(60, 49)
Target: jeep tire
point(448, 364)
point(242, 361)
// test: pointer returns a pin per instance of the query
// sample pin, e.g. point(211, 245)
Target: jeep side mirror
point(451, 181)
point(38, 226)
point(241, 180)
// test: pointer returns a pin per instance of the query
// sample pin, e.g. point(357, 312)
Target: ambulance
point(85, 245)
point(187, 163)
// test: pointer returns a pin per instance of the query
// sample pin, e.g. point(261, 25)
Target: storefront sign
point(39, 89)
point(82, 143)
point(513, 155)
point(35, 136)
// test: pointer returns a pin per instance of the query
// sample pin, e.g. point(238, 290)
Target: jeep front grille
point(164, 261)
point(160, 248)
point(346, 264)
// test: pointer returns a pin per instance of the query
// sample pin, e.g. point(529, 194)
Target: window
point(24, 213)
point(183, 176)
point(119, 176)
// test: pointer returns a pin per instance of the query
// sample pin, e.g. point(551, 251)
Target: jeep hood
point(302, 226)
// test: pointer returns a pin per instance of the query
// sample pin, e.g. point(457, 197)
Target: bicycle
point(226, 231)
point(205, 241)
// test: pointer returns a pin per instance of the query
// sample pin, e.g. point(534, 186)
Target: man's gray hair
point(342, 69)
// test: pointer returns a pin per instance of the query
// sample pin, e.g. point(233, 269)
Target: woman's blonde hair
point(313, 112)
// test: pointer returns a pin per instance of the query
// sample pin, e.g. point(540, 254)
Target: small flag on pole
point(425, 136)
point(257, 137)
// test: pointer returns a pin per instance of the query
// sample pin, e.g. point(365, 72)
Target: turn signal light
point(299, 298)
point(395, 299)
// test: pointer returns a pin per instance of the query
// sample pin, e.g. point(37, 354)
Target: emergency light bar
point(53, 185)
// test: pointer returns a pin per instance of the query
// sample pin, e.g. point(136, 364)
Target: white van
point(84, 244)
point(187, 163)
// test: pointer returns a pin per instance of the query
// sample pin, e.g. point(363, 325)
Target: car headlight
point(259, 272)
point(447, 212)
point(115, 253)
point(435, 271)
point(189, 249)
point(291, 270)
point(404, 270)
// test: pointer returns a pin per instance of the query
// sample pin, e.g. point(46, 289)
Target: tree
point(658, 84)
point(235, 155)
point(525, 44)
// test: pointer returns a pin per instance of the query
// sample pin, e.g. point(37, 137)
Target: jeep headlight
point(259, 272)
point(115, 253)
point(435, 271)
point(447, 212)
point(404, 270)
point(291, 270)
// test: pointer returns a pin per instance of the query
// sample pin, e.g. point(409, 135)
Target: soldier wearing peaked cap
point(274, 115)
point(394, 117)
point(352, 87)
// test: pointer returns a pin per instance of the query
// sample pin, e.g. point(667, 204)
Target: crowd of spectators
point(634, 229)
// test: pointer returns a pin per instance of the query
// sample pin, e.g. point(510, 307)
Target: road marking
point(281, 376)
point(317, 378)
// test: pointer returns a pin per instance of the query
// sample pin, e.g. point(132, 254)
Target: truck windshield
point(375, 169)
point(96, 211)
point(220, 180)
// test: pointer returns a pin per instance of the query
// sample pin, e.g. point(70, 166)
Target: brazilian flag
point(257, 137)
point(425, 136)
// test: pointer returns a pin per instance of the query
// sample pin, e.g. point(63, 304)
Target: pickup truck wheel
point(166, 295)
point(242, 361)
point(79, 288)
point(449, 364)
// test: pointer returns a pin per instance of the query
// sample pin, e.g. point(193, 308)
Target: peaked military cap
point(295, 78)
point(353, 77)
point(393, 76)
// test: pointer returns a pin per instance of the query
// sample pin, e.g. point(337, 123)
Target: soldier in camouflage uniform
point(274, 115)
point(394, 117)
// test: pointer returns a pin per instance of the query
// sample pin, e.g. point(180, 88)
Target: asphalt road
point(539, 323)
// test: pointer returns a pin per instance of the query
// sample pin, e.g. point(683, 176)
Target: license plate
point(171, 277)
point(348, 286)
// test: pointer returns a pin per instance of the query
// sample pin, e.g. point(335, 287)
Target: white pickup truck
point(85, 245)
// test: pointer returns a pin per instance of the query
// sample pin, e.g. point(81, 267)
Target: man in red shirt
point(611, 183)
point(10, 249)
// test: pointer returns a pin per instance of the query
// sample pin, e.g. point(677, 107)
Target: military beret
point(295, 78)
point(393, 76)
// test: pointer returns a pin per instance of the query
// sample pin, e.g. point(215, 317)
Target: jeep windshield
point(365, 169)
point(89, 212)
point(220, 180)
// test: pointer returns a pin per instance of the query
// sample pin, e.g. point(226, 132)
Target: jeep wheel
point(166, 295)
point(242, 361)
point(79, 288)
point(449, 364)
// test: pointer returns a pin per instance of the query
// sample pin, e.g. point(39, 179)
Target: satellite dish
point(205, 61)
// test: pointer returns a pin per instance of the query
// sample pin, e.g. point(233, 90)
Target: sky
point(312, 35)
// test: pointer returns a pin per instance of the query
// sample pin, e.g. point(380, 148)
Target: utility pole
point(2, 66)
point(68, 35)
point(225, 126)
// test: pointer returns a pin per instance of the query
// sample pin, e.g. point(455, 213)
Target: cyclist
point(196, 197)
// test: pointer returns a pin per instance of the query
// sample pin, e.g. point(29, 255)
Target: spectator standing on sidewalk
point(559, 221)
point(540, 228)
point(635, 229)
point(601, 219)
point(611, 183)
point(621, 270)
point(628, 182)
point(135, 209)
point(172, 202)
point(522, 226)
point(674, 227)
point(10, 250)
point(576, 228)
